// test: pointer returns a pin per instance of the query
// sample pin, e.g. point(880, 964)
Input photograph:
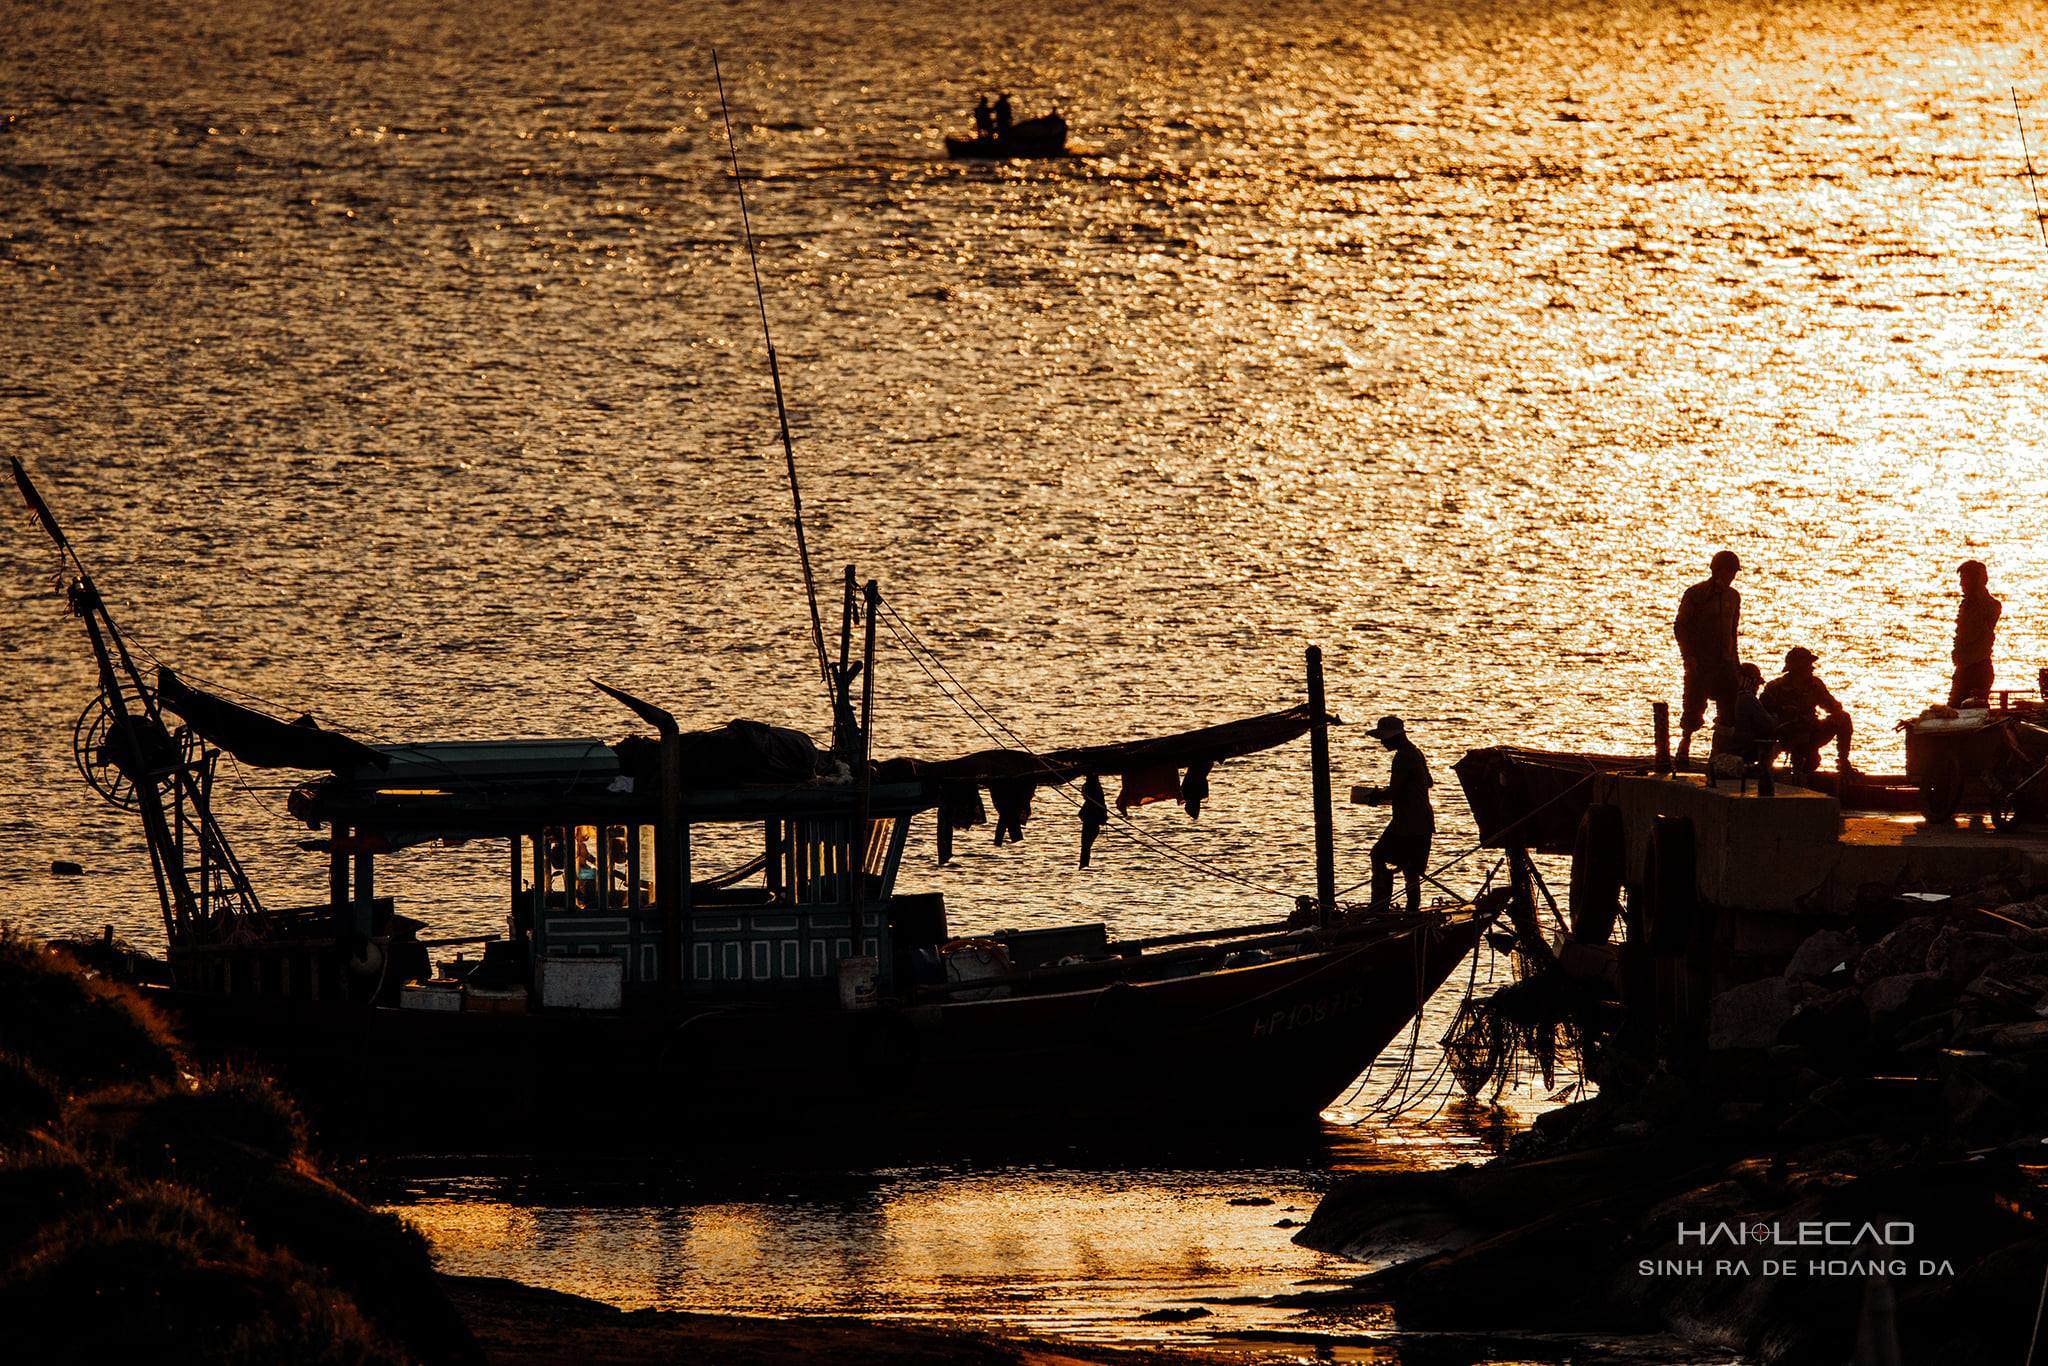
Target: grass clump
point(81, 1031)
point(150, 1214)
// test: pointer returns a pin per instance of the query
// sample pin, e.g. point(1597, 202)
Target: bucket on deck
point(857, 982)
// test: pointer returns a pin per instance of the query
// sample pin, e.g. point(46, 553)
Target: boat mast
point(1319, 752)
point(796, 499)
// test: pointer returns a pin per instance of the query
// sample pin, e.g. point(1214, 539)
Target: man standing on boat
point(1002, 114)
point(984, 119)
point(1976, 632)
point(1709, 616)
point(1404, 844)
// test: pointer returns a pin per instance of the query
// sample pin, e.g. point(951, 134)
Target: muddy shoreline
point(517, 1324)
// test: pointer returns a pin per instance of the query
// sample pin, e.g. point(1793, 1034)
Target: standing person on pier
point(1976, 632)
point(1709, 617)
point(1404, 844)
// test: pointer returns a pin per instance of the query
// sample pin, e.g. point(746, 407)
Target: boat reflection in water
point(630, 995)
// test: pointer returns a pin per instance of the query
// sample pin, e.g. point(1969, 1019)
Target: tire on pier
point(1599, 862)
point(1671, 875)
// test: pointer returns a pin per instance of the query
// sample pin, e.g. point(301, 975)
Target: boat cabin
point(749, 890)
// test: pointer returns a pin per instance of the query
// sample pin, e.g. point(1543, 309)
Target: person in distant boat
point(1002, 113)
point(1404, 845)
point(1808, 715)
point(1976, 632)
point(984, 119)
point(1709, 617)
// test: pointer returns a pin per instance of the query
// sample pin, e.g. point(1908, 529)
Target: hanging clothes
point(1194, 789)
point(959, 809)
point(1012, 798)
point(1145, 785)
point(1094, 814)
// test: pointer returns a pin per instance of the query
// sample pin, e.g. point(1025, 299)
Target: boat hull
point(1044, 136)
point(1213, 1052)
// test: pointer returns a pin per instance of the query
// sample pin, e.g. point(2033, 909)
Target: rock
point(2032, 913)
point(1751, 1015)
point(1286, 1223)
point(1251, 1200)
point(1905, 994)
point(1827, 955)
point(1829, 1024)
point(1175, 1315)
point(1903, 950)
point(2020, 1038)
point(1960, 955)
point(64, 867)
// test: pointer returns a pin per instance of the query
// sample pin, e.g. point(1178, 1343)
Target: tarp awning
point(258, 740)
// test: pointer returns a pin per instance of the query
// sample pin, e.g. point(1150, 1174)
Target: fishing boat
point(1044, 136)
point(633, 989)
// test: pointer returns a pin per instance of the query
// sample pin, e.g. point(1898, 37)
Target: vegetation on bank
point(154, 1210)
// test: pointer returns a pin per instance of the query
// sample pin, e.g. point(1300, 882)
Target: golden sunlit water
point(400, 365)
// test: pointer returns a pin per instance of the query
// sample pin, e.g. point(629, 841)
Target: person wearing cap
point(1404, 845)
point(1976, 632)
point(1709, 618)
point(1808, 715)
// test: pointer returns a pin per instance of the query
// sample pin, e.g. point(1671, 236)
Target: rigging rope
point(796, 499)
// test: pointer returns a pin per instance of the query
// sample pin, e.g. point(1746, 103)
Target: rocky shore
point(1850, 1169)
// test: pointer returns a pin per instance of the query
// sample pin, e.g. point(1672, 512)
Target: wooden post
point(1660, 717)
point(863, 781)
point(843, 740)
point(337, 870)
point(1319, 758)
point(672, 862)
point(366, 893)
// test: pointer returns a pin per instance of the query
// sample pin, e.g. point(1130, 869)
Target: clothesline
point(1036, 767)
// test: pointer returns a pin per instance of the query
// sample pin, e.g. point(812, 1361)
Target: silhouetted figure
point(1744, 729)
point(1976, 633)
point(1808, 715)
point(1002, 113)
point(984, 119)
point(1709, 616)
point(1094, 815)
point(1404, 844)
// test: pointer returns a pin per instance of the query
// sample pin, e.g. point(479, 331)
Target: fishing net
point(1546, 1017)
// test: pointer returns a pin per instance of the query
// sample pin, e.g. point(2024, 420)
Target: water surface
point(399, 365)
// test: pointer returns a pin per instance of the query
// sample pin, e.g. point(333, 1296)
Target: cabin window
point(881, 830)
point(588, 894)
point(617, 868)
point(643, 865)
point(552, 852)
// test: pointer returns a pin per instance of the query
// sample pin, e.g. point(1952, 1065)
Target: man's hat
point(1388, 728)
point(1799, 655)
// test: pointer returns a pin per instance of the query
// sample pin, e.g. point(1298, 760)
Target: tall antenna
point(2022, 121)
point(796, 498)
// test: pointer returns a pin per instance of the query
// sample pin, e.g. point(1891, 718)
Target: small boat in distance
point(1044, 136)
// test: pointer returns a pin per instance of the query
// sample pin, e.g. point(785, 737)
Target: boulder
point(1904, 995)
point(1829, 1024)
point(1750, 1016)
point(1959, 955)
point(1903, 950)
point(2031, 913)
point(1827, 956)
